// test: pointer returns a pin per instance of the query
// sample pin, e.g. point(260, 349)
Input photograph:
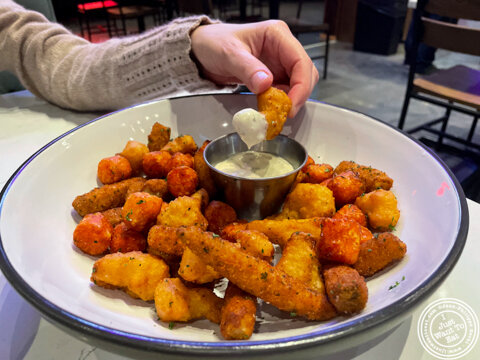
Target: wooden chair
point(299, 26)
point(456, 88)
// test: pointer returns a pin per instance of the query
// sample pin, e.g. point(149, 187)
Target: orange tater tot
point(275, 105)
point(309, 162)
point(156, 164)
point(93, 234)
point(134, 152)
point(339, 241)
point(141, 210)
point(158, 137)
point(218, 215)
point(346, 187)
point(317, 173)
point(180, 159)
point(125, 239)
point(182, 181)
point(352, 212)
point(238, 314)
point(113, 169)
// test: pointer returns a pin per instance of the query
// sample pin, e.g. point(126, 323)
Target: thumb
point(251, 72)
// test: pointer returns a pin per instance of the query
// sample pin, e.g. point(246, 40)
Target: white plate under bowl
point(37, 222)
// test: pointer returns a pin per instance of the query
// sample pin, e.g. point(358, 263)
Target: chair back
point(195, 6)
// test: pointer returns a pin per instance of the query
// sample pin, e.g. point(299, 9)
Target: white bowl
point(37, 222)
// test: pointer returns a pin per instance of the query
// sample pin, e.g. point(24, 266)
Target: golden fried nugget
point(175, 302)
point(164, 240)
point(194, 270)
point(183, 211)
point(93, 234)
point(299, 260)
point(182, 181)
point(380, 207)
point(125, 239)
point(378, 253)
point(105, 197)
point(308, 201)
point(218, 215)
point(317, 173)
point(133, 152)
point(158, 137)
point(351, 212)
point(238, 314)
point(346, 289)
point(157, 187)
point(204, 176)
point(257, 276)
point(113, 216)
point(373, 178)
point(339, 241)
point(114, 169)
point(184, 144)
point(275, 105)
point(255, 243)
point(346, 187)
point(136, 273)
point(140, 210)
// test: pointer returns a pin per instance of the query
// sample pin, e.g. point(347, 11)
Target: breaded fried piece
point(182, 181)
point(159, 137)
point(255, 243)
point(140, 210)
point(218, 215)
point(308, 201)
point(380, 207)
point(184, 144)
point(114, 169)
point(205, 179)
point(175, 302)
point(133, 152)
point(275, 105)
point(105, 197)
point(300, 261)
point(125, 239)
point(183, 211)
point(339, 241)
point(373, 178)
point(351, 212)
point(379, 252)
point(346, 187)
point(93, 234)
point(194, 270)
point(238, 314)
point(134, 272)
point(202, 195)
point(346, 289)
point(157, 187)
point(113, 216)
point(164, 240)
point(317, 173)
point(257, 276)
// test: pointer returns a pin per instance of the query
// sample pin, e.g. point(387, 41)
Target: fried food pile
point(161, 233)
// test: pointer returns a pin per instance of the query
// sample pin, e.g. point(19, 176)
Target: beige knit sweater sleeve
point(73, 73)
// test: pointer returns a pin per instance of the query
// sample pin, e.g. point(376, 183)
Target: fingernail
point(258, 79)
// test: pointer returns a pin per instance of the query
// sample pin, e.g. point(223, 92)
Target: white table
point(27, 123)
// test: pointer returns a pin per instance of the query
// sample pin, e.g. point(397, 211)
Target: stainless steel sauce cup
point(255, 199)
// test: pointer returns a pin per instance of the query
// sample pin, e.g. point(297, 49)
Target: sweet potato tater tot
point(184, 144)
point(125, 239)
point(378, 253)
point(205, 179)
point(194, 270)
point(218, 215)
point(156, 164)
point(157, 187)
point(141, 210)
point(114, 169)
point(351, 212)
point(180, 159)
point(113, 216)
point(340, 241)
point(300, 261)
point(182, 181)
point(257, 276)
point(255, 243)
point(133, 152)
point(159, 137)
point(346, 187)
point(93, 234)
point(317, 173)
point(134, 272)
point(175, 302)
point(308, 201)
point(183, 211)
point(309, 162)
point(275, 105)
point(164, 240)
point(373, 178)
point(346, 289)
point(105, 197)
point(238, 314)
point(380, 206)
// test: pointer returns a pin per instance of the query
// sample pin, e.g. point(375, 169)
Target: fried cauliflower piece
point(308, 201)
point(373, 178)
point(257, 276)
point(381, 209)
point(317, 173)
point(183, 211)
point(184, 144)
point(175, 302)
point(159, 137)
point(238, 314)
point(339, 241)
point(352, 212)
point(379, 252)
point(193, 269)
point(164, 240)
point(105, 197)
point(157, 187)
point(136, 273)
point(346, 289)
point(275, 105)
point(133, 152)
point(346, 187)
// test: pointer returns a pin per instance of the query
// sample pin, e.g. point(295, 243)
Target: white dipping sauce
point(254, 165)
point(251, 126)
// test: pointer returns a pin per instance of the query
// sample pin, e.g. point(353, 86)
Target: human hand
point(258, 55)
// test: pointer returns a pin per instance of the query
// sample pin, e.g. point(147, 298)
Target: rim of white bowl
point(153, 344)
